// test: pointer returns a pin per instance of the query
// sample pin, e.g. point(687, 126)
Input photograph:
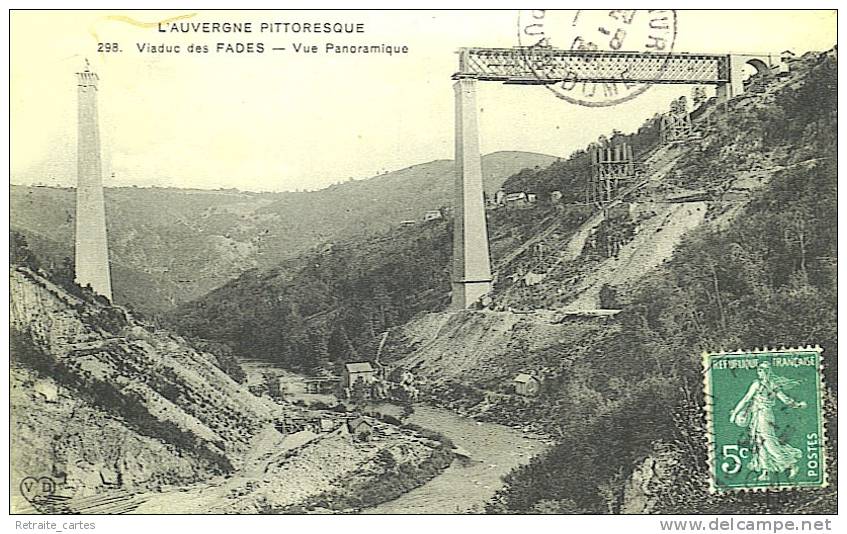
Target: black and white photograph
point(573, 262)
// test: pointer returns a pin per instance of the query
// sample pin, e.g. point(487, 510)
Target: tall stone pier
point(471, 262)
point(91, 251)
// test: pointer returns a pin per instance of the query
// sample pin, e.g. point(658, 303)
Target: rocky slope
point(153, 388)
point(123, 416)
point(627, 396)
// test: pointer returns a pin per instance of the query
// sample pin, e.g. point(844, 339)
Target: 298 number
point(108, 47)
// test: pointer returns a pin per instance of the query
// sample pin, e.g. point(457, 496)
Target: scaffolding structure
point(676, 127)
point(612, 169)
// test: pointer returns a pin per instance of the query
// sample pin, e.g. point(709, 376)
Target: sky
point(286, 120)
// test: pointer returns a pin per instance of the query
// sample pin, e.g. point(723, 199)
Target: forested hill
point(170, 245)
point(765, 122)
point(630, 396)
point(764, 277)
point(313, 312)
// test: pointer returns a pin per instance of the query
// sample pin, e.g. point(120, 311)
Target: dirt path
point(267, 476)
point(550, 225)
point(653, 245)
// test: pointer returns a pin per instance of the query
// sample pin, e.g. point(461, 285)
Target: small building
point(783, 67)
point(327, 425)
point(512, 198)
point(433, 215)
point(291, 424)
point(516, 199)
point(47, 389)
point(526, 385)
point(360, 429)
point(530, 279)
point(109, 476)
point(624, 210)
point(354, 371)
point(500, 197)
point(408, 223)
point(323, 384)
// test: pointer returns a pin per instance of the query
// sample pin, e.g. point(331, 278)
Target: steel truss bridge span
point(547, 65)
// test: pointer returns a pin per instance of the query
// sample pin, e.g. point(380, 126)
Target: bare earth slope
point(123, 416)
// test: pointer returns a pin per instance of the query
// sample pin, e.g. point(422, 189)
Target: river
point(465, 486)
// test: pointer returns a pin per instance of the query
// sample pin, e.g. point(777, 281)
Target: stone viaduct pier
point(91, 258)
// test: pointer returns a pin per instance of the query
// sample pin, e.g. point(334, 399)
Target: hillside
point(94, 358)
point(169, 246)
point(729, 242)
point(126, 417)
point(321, 309)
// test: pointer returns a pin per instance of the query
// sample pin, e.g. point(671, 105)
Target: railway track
point(115, 502)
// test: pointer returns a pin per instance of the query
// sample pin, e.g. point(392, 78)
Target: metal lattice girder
point(547, 65)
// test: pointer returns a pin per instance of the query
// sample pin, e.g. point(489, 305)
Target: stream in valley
point(465, 486)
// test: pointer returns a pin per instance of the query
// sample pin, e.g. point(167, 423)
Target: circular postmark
point(634, 44)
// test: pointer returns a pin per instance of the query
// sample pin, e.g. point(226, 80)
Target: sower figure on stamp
point(756, 410)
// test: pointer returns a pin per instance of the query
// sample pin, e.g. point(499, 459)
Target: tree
point(319, 347)
point(65, 275)
point(272, 386)
point(19, 252)
point(359, 393)
point(698, 95)
point(608, 297)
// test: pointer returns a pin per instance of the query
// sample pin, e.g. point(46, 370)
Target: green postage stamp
point(765, 421)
